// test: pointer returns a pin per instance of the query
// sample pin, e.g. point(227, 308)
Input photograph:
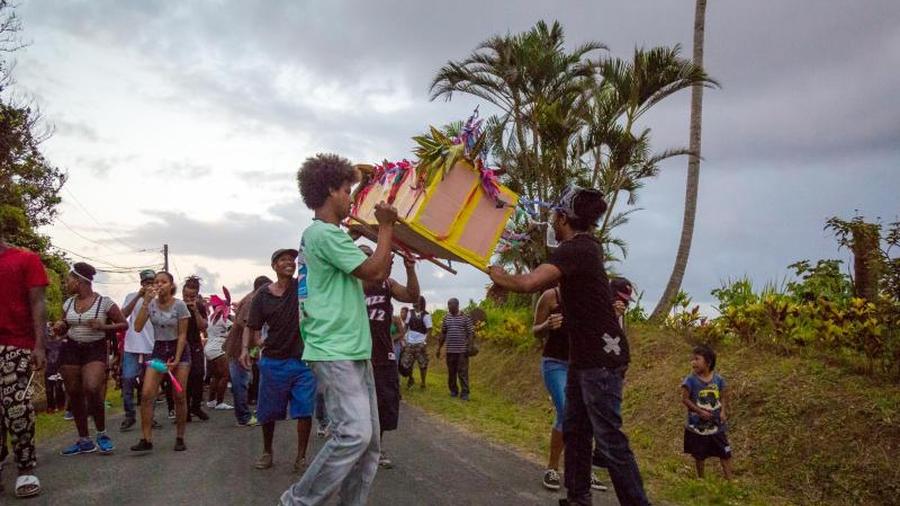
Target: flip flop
point(300, 464)
point(27, 485)
point(264, 461)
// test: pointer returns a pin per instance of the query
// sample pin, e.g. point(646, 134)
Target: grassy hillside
point(803, 432)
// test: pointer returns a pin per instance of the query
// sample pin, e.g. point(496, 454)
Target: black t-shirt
point(557, 345)
point(282, 314)
point(193, 330)
point(595, 338)
point(381, 312)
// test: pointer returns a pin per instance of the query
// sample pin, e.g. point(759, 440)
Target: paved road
point(435, 464)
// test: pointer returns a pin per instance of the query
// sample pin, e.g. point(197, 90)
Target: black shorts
point(387, 389)
point(704, 447)
point(77, 353)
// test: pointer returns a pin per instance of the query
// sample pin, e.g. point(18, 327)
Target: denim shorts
point(165, 351)
point(554, 372)
point(283, 382)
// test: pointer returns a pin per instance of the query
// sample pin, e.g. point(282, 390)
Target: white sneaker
point(223, 407)
point(211, 404)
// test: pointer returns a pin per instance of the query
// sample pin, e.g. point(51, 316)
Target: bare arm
point(142, 316)
point(129, 308)
point(691, 406)
point(542, 312)
point(409, 293)
point(726, 404)
point(378, 266)
point(542, 277)
point(182, 339)
point(118, 319)
point(39, 323)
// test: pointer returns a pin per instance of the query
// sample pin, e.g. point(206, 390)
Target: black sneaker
point(598, 485)
point(142, 446)
point(127, 424)
point(171, 414)
point(551, 479)
point(179, 445)
point(199, 413)
point(155, 425)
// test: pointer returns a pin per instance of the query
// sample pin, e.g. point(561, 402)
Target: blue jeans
point(132, 366)
point(348, 461)
point(240, 384)
point(554, 372)
point(593, 409)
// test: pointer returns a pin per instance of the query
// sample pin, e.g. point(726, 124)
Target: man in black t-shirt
point(598, 349)
point(283, 377)
point(384, 360)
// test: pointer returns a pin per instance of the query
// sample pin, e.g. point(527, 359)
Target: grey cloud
point(101, 167)
point(184, 170)
point(76, 129)
point(235, 236)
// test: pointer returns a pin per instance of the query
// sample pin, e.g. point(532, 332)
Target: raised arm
point(377, 267)
point(409, 293)
point(144, 314)
point(542, 277)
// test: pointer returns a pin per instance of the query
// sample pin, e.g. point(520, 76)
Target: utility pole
point(165, 257)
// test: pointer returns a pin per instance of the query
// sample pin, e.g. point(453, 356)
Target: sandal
point(300, 464)
point(264, 461)
point(27, 485)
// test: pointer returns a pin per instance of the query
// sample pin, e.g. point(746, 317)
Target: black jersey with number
point(381, 312)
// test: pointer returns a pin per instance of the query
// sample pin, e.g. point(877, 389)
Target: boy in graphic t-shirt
point(334, 324)
point(704, 394)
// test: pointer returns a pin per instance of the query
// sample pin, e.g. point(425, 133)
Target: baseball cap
point(147, 274)
point(281, 251)
point(622, 288)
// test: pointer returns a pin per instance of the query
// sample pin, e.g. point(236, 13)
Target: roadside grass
point(803, 432)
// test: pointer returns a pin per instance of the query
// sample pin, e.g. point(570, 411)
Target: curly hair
point(321, 174)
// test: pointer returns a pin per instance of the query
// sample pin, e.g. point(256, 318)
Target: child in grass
point(704, 394)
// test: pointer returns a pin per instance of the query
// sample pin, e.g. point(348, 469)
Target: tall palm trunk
point(693, 176)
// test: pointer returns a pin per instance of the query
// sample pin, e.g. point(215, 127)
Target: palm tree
point(693, 177)
point(620, 159)
point(539, 88)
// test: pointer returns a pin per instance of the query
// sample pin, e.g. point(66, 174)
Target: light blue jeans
point(554, 372)
point(132, 369)
point(348, 461)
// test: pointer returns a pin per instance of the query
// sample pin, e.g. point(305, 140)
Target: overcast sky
point(184, 122)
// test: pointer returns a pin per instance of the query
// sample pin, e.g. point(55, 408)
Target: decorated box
point(458, 214)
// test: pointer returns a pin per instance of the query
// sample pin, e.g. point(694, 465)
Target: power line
point(91, 216)
point(99, 261)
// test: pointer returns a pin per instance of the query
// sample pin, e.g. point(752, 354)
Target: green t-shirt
point(334, 324)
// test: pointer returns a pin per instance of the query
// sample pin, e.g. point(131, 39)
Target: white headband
point(73, 271)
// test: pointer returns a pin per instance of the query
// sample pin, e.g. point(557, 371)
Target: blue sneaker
point(105, 444)
point(80, 446)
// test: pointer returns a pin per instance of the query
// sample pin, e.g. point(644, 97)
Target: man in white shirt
point(138, 346)
point(418, 325)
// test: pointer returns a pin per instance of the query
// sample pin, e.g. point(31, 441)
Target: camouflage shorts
point(413, 353)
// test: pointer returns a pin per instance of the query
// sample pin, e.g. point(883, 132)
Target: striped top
point(457, 330)
point(79, 323)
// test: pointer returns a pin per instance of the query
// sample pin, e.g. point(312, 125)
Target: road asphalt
point(434, 464)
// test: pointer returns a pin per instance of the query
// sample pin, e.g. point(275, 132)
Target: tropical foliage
point(819, 309)
point(567, 116)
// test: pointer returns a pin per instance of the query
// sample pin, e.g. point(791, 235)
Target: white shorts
point(213, 349)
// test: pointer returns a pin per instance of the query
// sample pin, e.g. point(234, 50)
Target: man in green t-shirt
point(334, 326)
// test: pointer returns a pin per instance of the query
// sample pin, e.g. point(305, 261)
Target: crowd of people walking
point(321, 338)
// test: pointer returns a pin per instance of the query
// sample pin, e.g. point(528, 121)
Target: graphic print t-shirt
point(381, 312)
point(707, 396)
point(595, 338)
